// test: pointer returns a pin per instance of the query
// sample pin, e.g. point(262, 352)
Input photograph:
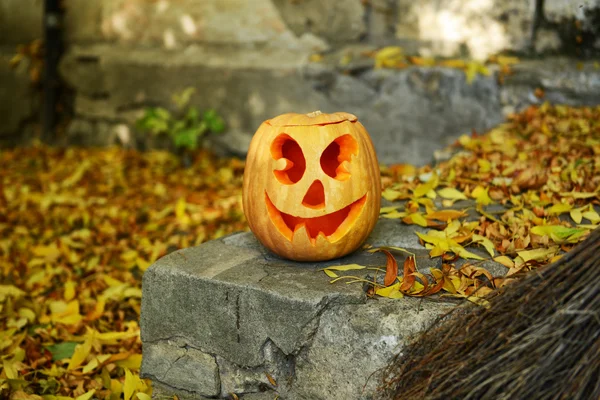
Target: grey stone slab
point(336, 21)
point(353, 344)
point(184, 368)
point(229, 301)
point(564, 81)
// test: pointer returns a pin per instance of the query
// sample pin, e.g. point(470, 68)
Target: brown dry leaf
point(408, 278)
point(391, 269)
point(445, 215)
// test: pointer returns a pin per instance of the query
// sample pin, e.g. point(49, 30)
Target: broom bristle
point(540, 339)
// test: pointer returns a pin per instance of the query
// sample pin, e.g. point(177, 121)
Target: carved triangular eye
point(291, 159)
point(337, 155)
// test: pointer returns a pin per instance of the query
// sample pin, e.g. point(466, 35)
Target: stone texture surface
point(20, 21)
point(563, 82)
point(467, 27)
point(230, 317)
point(410, 113)
point(184, 367)
point(334, 20)
point(17, 99)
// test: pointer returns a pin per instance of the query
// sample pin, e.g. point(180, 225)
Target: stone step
point(225, 316)
point(409, 112)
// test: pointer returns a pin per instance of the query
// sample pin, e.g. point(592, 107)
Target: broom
point(540, 339)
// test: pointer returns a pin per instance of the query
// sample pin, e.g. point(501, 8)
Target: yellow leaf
point(132, 362)
point(576, 215)
point(455, 63)
point(116, 388)
point(507, 60)
point(86, 396)
point(77, 175)
point(471, 71)
point(480, 194)
point(462, 252)
point(112, 282)
point(559, 208)
point(592, 216)
point(391, 195)
point(485, 242)
point(541, 254)
point(10, 369)
point(579, 195)
point(347, 267)
point(424, 188)
point(392, 291)
point(129, 255)
point(385, 210)
point(69, 290)
point(10, 290)
point(418, 219)
point(82, 351)
point(389, 57)
point(431, 237)
point(129, 385)
point(113, 337)
point(479, 301)
point(395, 215)
point(452, 194)
point(484, 165)
point(27, 313)
point(89, 367)
point(504, 260)
point(143, 396)
point(49, 253)
point(560, 234)
point(67, 314)
point(98, 309)
point(330, 274)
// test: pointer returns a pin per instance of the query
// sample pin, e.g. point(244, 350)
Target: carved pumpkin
point(311, 185)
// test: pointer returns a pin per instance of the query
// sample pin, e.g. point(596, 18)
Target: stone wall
point(254, 59)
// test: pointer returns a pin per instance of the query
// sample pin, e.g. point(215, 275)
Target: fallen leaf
point(391, 269)
point(451, 194)
point(408, 277)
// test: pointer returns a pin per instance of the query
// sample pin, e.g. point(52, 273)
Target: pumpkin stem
point(314, 113)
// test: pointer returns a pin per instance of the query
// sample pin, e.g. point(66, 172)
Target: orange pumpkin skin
point(312, 188)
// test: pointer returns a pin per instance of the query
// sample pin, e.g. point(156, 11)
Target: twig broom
point(540, 339)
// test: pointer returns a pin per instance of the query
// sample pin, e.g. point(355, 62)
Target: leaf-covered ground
point(78, 228)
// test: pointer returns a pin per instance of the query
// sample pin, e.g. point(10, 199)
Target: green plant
point(185, 126)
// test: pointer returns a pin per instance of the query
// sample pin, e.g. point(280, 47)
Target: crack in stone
point(237, 317)
point(153, 378)
point(173, 363)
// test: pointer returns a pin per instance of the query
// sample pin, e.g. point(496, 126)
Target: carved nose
point(315, 196)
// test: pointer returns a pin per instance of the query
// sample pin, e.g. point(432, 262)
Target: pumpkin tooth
point(332, 226)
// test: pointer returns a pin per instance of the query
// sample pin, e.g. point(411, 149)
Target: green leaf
point(60, 351)
point(192, 116)
point(214, 122)
point(559, 233)
point(187, 138)
point(162, 113)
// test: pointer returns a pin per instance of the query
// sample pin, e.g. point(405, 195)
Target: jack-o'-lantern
point(311, 185)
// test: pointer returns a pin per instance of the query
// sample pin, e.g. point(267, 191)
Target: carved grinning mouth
point(332, 226)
